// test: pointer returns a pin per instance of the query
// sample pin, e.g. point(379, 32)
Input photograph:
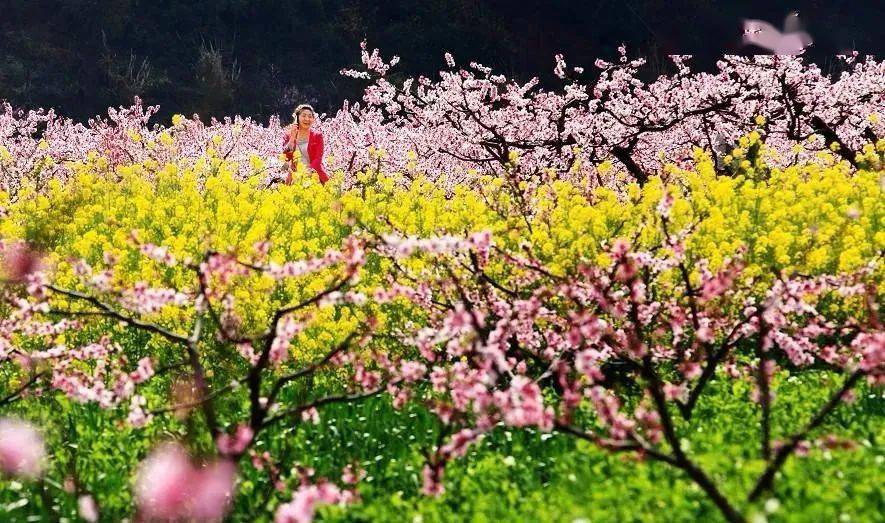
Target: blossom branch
point(109, 311)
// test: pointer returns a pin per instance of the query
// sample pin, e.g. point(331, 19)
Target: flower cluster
point(170, 487)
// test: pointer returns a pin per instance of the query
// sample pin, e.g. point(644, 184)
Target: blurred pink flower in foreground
point(87, 509)
point(21, 449)
point(19, 261)
point(170, 487)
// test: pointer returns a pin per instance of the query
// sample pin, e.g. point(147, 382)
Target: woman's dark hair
point(300, 108)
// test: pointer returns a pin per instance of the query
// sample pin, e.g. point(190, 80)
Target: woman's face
point(305, 118)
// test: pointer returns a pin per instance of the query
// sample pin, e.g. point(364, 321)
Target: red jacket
point(314, 150)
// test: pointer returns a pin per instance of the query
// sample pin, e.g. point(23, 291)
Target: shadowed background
point(224, 57)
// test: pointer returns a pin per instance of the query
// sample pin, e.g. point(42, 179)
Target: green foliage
point(540, 477)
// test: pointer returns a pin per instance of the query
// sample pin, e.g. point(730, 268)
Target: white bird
point(792, 41)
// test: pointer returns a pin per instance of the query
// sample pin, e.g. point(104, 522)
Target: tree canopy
point(261, 57)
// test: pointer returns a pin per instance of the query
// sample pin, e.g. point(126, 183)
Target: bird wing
point(790, 44)
point(761, 33)
point(792, 24)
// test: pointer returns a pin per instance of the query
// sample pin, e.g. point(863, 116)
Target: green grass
point(512, 475)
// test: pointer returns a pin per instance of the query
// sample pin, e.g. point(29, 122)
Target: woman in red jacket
point(309, 142)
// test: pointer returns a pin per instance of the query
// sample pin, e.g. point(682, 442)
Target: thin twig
point(766, 480)
point(192, 404)
point(112, 313)
point(320, 402)
point(310, 369)
point(12, 397)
